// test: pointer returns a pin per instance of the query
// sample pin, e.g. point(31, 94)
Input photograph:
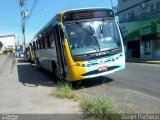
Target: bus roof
point(59, 16)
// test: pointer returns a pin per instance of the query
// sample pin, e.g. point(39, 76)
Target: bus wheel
point(76, 84)
point(35, 61)
point(55, 72)
point(32, 61)
point(38, 64)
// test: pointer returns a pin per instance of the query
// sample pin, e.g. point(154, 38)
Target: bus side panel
point(32, 57)
point(74, 71)
point(46, 56)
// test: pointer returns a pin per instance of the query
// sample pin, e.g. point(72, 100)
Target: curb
point(146, 62)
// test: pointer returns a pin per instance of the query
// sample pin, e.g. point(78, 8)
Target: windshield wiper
point(101, 30)
point(91, 33)
point(95, 36)
point(111, 50)
point(79, 24)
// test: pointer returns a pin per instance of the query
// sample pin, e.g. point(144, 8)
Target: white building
point(8, 42)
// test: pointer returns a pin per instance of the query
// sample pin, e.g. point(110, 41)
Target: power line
point(26, 3)
point(35, 27)
point(21, 3)
point(32, 9)
point(18, 2)
point(6, 24)
point(25, 17)
point(7, 20)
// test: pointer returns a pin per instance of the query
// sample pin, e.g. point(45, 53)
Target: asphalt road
point(137, 86)
point(139, 77)
point(144, 78)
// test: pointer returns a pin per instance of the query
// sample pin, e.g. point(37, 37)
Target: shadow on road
point(91, 82)
point(21, 60)
point(30, 76)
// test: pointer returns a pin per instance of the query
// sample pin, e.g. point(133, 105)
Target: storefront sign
point(136, 29)
point(145, 31)
point(158, 28)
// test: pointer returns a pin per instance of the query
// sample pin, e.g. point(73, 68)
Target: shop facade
point(142, 38)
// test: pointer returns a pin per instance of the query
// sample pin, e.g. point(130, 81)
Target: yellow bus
point(80, 44)
point(29, 53)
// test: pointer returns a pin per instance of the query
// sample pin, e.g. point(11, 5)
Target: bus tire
point(55, 70)
point(32, 61)
point(38, 64)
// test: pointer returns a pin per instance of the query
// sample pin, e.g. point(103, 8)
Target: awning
point(136, 29)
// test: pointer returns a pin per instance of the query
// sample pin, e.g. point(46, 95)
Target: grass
point(99, 107)
point(64, 90)
point(127, 107)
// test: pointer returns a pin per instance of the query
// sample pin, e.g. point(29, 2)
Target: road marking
point(141, 93)
point(145, 64)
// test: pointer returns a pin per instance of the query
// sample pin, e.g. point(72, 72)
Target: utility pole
point(18, 41)
point(21, 2)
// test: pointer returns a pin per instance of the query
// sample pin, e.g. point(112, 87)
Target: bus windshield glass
point(92, 36)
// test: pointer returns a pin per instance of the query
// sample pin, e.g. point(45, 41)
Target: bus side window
point(37, 44)
point(37, 41)
point(48, 40)
point(34, 45)
point(45, 43)
point(40, 45)
point(45, 40)
point(42, 42)
point(51, 39)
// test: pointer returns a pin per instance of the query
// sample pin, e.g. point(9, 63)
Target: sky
point(10, 15)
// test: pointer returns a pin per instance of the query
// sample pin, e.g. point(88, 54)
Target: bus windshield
point(92, 36)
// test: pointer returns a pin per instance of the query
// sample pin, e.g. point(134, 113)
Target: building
point(140, 26)
point(1, 45)
point(8, 43)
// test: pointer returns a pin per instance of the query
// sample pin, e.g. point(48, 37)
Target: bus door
point(59, 48)
point(34, 50)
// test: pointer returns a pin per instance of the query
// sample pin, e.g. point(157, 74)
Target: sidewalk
point(147, 61)
point(26, 90)
point(3, 60)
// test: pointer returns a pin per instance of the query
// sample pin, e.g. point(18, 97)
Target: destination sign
point(77, 15)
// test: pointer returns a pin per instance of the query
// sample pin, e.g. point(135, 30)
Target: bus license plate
point(104, 68)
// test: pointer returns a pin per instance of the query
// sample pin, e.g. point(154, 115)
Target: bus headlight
point(83, 65)
point(77, 64)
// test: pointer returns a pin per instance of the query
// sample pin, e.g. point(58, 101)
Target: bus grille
point(97, 72)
